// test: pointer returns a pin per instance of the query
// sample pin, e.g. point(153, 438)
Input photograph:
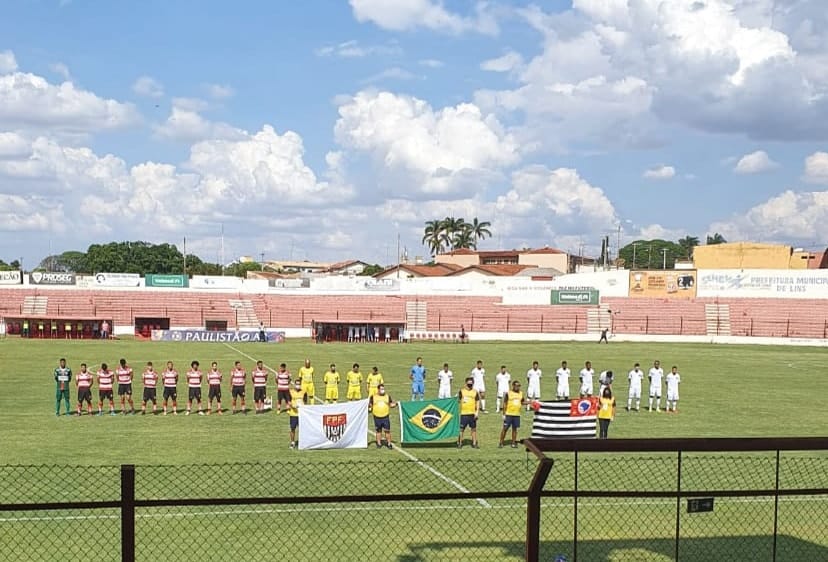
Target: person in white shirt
point(673, 380)
point(444, 377)
point(503, 378)
point(562, 376)
point(605, 380)
point(478, 374)
point(655, 375)
point(635, 377)
point(586, 379)
point(533, 378)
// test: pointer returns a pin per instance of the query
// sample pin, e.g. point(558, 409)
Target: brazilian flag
point(432, 420)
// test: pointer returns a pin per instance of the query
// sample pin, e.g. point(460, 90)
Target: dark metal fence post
point(533, 509)
point(575, 513)
point(678, 505)
point(776, 507)
point(127, 513)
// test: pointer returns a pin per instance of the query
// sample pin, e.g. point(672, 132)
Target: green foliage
point(648, 254)
point(71, 261)
point(241, 269)
point(371, 270)
point(687, 244)
point(454, 233)
point(715, 239)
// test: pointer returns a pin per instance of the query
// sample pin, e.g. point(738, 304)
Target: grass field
point(725, 391)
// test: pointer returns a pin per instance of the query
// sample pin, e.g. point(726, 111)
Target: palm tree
point(480, 229)
point(432, 236)
point(464, 239)
point(716, 239)
point(687, 244)
point(450, 228)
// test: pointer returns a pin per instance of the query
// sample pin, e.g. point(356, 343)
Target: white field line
point(388, 508)
point(406, 454)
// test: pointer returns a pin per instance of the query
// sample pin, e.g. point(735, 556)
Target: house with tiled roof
point(536, 257)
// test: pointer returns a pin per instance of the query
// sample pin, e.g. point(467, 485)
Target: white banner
point(334, 426)
point(764, 283)
point(117, 279)
point(216, 282)
point(13, 277)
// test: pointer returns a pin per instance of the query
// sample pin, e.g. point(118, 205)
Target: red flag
point(584, 407)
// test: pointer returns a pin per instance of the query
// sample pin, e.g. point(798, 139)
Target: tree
point(371, 270)
point(451, 227)
point(480, 229)
point(464, 239)
point(71, 261)
point(432, 236)
point(687, 244)
point(716, 239)
point(648, 254)
point(452, 233)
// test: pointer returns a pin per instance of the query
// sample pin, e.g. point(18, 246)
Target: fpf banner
point(334, 426)
point(432, 420)
point(215, 336)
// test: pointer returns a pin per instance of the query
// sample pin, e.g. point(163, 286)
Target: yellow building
point(749, 255)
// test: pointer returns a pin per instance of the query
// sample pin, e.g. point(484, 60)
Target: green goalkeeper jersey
point(63, 375)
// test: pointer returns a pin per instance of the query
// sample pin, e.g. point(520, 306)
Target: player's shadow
point(751, 547)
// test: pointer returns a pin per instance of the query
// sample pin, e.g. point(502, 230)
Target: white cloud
point(755, 163)
point(393, 73)
point(402, 15)
point(816, 168)
point(661, 172)
point(353, 49)
point(657, 231)
point(8, 63)
point(431, 63)
point(61, 70)
point(426, 150)
point(507, 63)
point(219, 91)
point(31, 102)
point(148, 86)
point(186, 124)
point(13, 145)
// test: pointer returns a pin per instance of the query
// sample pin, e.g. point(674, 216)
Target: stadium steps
point(245, 313)
point(35, 305)
point(416, 316)
point(598, 319)
point(717, 318)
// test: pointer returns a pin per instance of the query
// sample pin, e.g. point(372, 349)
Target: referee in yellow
point(380, 405)
point(511, 413)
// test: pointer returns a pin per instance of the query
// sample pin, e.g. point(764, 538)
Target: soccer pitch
point(726, 391)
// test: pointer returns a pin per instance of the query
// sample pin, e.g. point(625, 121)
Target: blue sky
point(320, 130)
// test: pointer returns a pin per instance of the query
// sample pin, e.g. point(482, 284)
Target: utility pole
point(618, 247)
point(262, 262)
point(185, 255)
point(398, 255)
point(664, 263)
point(635, 245)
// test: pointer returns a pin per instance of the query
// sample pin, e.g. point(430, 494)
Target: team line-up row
point(169, 377)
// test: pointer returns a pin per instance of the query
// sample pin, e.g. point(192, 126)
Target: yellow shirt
point(468, 401)
point(354, 379)
point(374, 381)
point(514, 400)
point(297, 399)
point(381, 405)
point(306, 374)
point(331, 378)
point(605, 408)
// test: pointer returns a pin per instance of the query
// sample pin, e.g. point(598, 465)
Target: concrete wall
point(742, 255)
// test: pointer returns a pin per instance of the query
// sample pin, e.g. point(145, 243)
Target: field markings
point(406, 454)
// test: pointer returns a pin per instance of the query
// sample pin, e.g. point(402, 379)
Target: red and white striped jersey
point(84, 379)
point(170, 378)
point(124, 374)
point(194, 379)
point(259, 377)
point(238, 377)
point(105, 379)
point(283, 380)
point(150, 378)
point(214, 378)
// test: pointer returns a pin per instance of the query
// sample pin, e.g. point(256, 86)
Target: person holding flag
point(606, 412)
point(63, 375)
point(511, 413)
point(417, 377)
point(298, 398)
point(84, 382)
point(469, 412)
point(380, 405)
point(331, 380)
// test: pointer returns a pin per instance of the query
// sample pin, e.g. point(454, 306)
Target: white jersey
point(586, 381)
point(479, 382)
point(655, 376)
point(673, 381)
point(635, 377)
point(533, 376)
point(563, 381)
point(444, 378)
point(503, 380)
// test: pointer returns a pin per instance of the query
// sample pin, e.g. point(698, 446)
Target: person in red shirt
point(84, 380)
point(150, 378)
point(124, 375)
point(259, 376)
point(105, 381)
point(238, 379)
point(194, 377)
point(282, 387)
point(214, 385)
point(170, 379)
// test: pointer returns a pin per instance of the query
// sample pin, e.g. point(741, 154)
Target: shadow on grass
point(750, 547)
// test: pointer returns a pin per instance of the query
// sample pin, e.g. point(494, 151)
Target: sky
point(328, 130)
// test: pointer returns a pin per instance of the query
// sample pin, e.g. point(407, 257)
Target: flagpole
point(185, 255)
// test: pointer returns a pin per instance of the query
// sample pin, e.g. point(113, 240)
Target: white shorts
point(444, 392)
point(533, 391)
point(655, 392)
point(586, 389)
point(479, 388)
point(635, 392)
point(672, 395)
point(501, 393)
point(563, 390)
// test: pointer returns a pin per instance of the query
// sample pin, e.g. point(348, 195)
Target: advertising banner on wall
point(51, 278)
point(680, 284)
point(763, 283)
point(14, 277)
point(288, 283)
point(216, 282)
point(247, 336)
point(574, 296)
point(167, 281)
point(117, 279)
point(382, 284)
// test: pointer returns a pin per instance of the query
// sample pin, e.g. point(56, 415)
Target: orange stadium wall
point(745, 255)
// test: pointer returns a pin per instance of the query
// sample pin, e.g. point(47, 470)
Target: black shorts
point(215, 392)
point(283, 395)
point(259, 393)
point(511, 422)
point(149, 394)
point(170, 392)
point(237, 392)
point(125, 389)
point(105, 394)
point(85, 394)
point(468, 420)
point(382, 423)
point(294, 422)
point(194, 393)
